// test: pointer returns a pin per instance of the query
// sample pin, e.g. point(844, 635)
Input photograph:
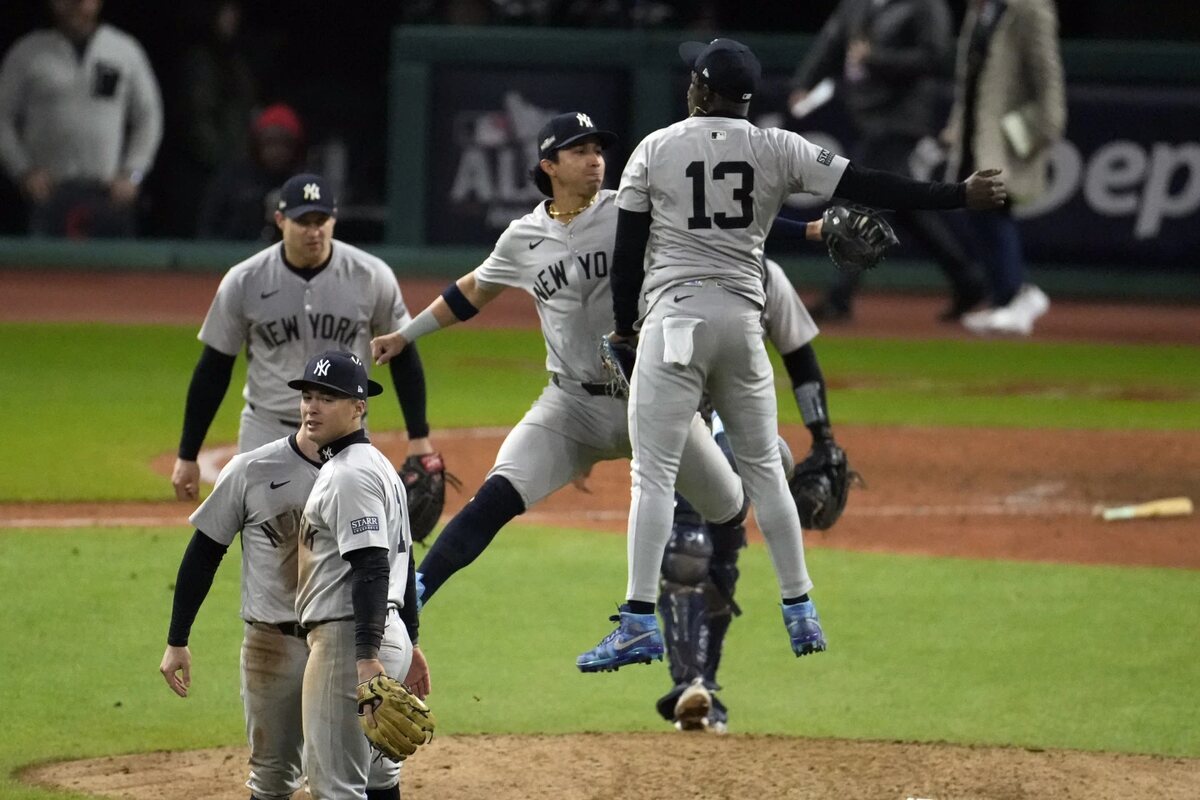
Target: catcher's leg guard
point(681, 600)
point(721, 583)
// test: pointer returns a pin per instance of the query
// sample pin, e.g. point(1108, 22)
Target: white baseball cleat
point(692, 707)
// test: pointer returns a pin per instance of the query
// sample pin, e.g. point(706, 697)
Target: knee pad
point(689, 551)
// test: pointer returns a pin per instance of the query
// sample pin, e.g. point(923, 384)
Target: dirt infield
point(1011, 494)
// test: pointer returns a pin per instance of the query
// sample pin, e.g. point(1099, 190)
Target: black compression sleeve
point(369, 570)
point(409, 614)
point(210, 379)
point(408, 376)
point(790, 227)
point(881, 189)
point(196, 571)
point(633, 232)
point(808, 387)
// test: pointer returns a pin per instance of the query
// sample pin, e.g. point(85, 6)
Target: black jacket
point(911, 46)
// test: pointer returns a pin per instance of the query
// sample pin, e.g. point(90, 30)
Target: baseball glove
point(857, 237)
point(425, 478)
point(821, 484)
point(402, 720)
point(617, 358)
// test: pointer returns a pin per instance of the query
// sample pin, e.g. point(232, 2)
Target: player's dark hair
point(540, 178)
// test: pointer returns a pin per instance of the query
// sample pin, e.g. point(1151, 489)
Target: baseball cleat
point(693, 707)
point(804, 628)
point(420, 590)
point(635, 641)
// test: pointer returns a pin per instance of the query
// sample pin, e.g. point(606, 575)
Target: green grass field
point(921, 648)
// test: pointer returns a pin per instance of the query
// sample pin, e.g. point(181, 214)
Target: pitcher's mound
point(676, 766)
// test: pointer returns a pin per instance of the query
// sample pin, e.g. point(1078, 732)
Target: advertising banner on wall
point(1124, 185)
point(483, 141)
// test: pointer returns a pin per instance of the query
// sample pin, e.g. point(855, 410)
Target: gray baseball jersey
point(787, 322)
point(283, 320)
point(357, 501)
point(565, 269)
point(713, 186)
point(262, 494)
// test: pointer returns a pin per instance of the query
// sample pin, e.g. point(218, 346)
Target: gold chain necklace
point(555, 213)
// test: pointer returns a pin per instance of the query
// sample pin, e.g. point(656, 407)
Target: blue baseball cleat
point(635, 641)
point(804, 628)
point(420, 591)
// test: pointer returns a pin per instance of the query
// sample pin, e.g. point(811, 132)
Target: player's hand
point(123, 192)
point(176, 669)
point(813, 229)
point(37, 185)
point(858, 51)
point(368, 668)
point(385, 348)
point(985, 190)
point(417, 679)
point(186, 479)
point(797, 96)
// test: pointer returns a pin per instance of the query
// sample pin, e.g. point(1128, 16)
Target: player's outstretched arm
point(458, 303)
point(880, 189)
point(196, 571)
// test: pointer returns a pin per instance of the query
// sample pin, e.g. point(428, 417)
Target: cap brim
point(690, 51)
point(607, 139)
point(300, 211)
point(373, 388)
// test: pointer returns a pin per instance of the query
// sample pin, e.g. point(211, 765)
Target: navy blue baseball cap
point(566, 129)
point(339, 372)
point(726, 66)
point(306, 192)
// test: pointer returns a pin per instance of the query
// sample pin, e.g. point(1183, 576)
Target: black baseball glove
point(425, 479)
point(821, 484)
point(858, 237)
point(617, 358)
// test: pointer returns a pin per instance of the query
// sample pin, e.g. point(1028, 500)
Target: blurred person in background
point(217, 93)
point(886, 56)
point(240, 201)
point(1009, 110)
point(80, 123)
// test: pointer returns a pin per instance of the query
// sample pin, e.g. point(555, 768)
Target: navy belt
point(594, 389)
point(287, 628)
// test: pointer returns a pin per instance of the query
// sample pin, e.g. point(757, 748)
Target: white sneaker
point(692, 707)
point(1016, 318)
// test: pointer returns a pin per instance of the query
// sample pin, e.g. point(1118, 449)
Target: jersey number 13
point(741, 194)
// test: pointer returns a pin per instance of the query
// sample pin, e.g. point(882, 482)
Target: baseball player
point(260, 494)
point(307, 294)
point(560, 253)
point(699, 566)
point(355, 594)
point(705, 191)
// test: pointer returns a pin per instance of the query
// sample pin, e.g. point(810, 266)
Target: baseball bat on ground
point(1166, 507)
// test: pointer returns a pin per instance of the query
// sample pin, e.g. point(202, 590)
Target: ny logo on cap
point(354, 358)
point(312, 192)
point(322, 367)
point(584, 121)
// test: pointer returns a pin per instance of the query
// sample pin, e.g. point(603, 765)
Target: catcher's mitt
point(402, 720)
point(617, 358)
point(425, 480)
point(857, 237)
point(821, 484)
